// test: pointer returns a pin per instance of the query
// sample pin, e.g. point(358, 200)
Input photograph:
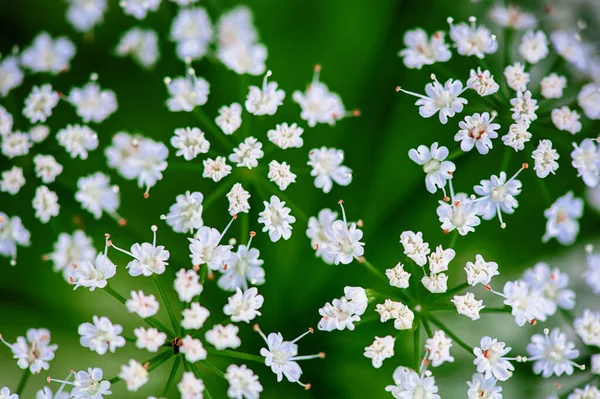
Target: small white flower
point(243, 383)
point(95, 194)
point(586, 159)
point(230, 118)
point(192, 349)
point(490, 361)
point(480, 272)
point(243, 267)
point(39, 133)
point(437, 170)
point(16, 144)
point(141, 304)
point(553, 285)
point(467, 305)
point(357, 296)
point(534, 46)
point(244, 305)
point(517, 135)
point(439, 260)
point(139, 8)
point(101, 336)
point(588, 327)
point(187, 285)
point(379, 350)
point(553, 86)
point(483, 388)
point(568, 45)
point(265, 100)
point(516, 77)
point(338, 315)
point(565, 119)
point(512, 16)
point(482, 82)
point(48, 55)
point(186, 93)
point(223, 337)
point(472, 39)
point(90, 385)
point(205, 248)
point(94, 274)
point(77, 140)
point(244, 58)
point(194, 317)
point(141, 45)
point(148, 258)
point(477, 131)
point(595, 363)
point(6, 119)
point(398, 277)
point(552, 354)
point(189, 142)
point(216, 169)
point(414, 247)
point(438, 349)
point(524, 107)
point(238, 200)
point(277, 219)
point(12, 180)
point(409, 384)
point(545, 158)
point(46, 168)
point(592, 273)
point(497, 195)
point(343, 241)
point(436, 283)
point(192, 31)
point(45, 203)
point(281, 174)
point(40, 102)
point(421, 50)
point(528, 304)
point(134, 374)
point(402, 315)
point(33, 351)
point(589, 100)
point(12, 232)
point(563, 219)
point(286, 136)
point(150, 339)
point(247, 153)
point(11, 75)
point(190, 387)
point(92, 103)
point(185, 215)
point(316, 231)
point(326, 164)
point(589, 391)
point(461, 214)
point(71, 250)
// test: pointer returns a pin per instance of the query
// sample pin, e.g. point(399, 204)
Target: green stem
point(203, 273)
point(544, 190)
point(455, 154)
point(373, 270)
point(172, 376)
point(244, 227)
point(427, 327)
point(235, 355)
point(506, 160)
point(212, 368)
point(450, 293)
point(448, 332)
point(504, 309)
point(367, 319)
point(417, 345)
point(23, 382)
point(218, 192)
point(165, 299)
point(453, 238)
point(213, 128)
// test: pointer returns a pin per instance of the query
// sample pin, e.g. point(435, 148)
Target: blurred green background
point(357, 44)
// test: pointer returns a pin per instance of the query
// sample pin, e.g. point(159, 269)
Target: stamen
point(264, 86)
point(6, 343)
point(111, 244)
point(257, 329)
point(316, 74)
point(341, 204)
point(252, 235)
point(320, 355)
point(154, 229)
point(106, 245)
point(227, 227)
point(412, 93)
point(524, 166)
point(310, 331)
point(499, 212)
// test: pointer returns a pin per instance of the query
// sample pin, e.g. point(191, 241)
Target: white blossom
point(192, 32)
point(589, 100)
point(92, 103)
point(410, 384)
point(141, 45)
point(34, 351)
point(477, 131)
point(190, 387)
point(563, 219)
point(421, 50)
point(223, 337)
point(189, 142)
point(516, 77)
point(460, 214)
point(230, 118)
point(483, 388)
point(398, 277)
point(482, 82)
point(470, 39)
point(266, 99)
point(187, 285)
point(438, 349)
point(139, 8)
point(437, 170)
point(512, 16)
point(186, 93)
point(77, 140)
point(16, 144)
point(216, 169)
point(12, 180)
point(480, 272)
point(39, 133)
point(553, 86)
point(192, 349)
point(45, 203)
point(244, 305)
point(588, 327)
point(141, 304)
point(46, 168)
point(243, 383)
point(490, 361)
point(243, 267)
point(185, 215)
point(12, 233)
point(48, 55)
point(286, 136)
point(518, 134)
point(545, 158)
point(552, 354)
point(277, 219)
point(380, 349)
point(134, 374)
point(11, 75)
point(247, 153)
point(534, 46)
point(194, 317)
point(40, 102)
point(467, 305)
point(436, 283)
point(205, 248)
point(149, 338)
point(281, 174)
point(524, 107)
point(586, 159)
point(565, 119)
point(101, 336)
point(95, 194)
point(444, 99)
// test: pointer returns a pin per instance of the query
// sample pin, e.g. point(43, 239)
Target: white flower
point(192, 31)
point(477, 131)
point(436, 283)
point(186, 93)
point(595, 364)
point(97, 195)
point(6, 119)
point(12, 180)
point(439, 260)
point(524, 107)
point(344, 243)
point(277, 219)
point(482, 82)
point(589, 391)
point(316, 231)
point(243, 383)
point(414, 247)
point(545, 158)
point(409, 384)
point(516, 77)
point(187, 285)
point(149, 163)
point(48, 55)
point(265, 100)
point(511, 16)
point(45, 203)
point(338, 315)
point(472, 39)
point(318, 104)
point(467, 305)
point(438, 349)
point(565, 119)
point(92, 103)
point(189, 142)
point(141, 304)
point(194, 316)
point(398, 277)
point(357, 296)
point(480, 272)
point(247, 153)
point(150, 339)
point(438, 171)
point(190, 387)
point(528, 304)
point(39, 133)
point(460, 214)
point(244, 305)
point(552, 354)
point(192, 349)
point(286, 136)
point(205, 248)
point(16, 144)
point(586, 159)
point(134, 374)
point(12, 232)
point(216, 169)
point(223, 337)
point(568, 45)
point(379, 350)
point(244, 58)
point(40, 102)
point(46, 168)
point(563, 219)
point(243, 267)
point(236, 27)
point(281, 174)
point(33, 351)
point(230, 118)
point(483, 388)
point(553, 285)
point(498, 195)
point(148, 259)
point(101, 336)
point(141, 44)
point(490, 361)
point(592, 273)
point(11, 75)
point(444, 99)
point(85, 14)
point(77, 140)
point(90, 385)
point(326, 164)
point(71, 250)
point(553, 86)
point(402, 315)
point(94, 274)
point(44, 393)
point(517, 135)
point(185, 214)
point(534, 46)
point(139, 8)
point(589, 100)
point(588, 327)
point(238, 199)
point(420, 50)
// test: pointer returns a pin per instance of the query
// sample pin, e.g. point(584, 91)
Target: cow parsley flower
point(281, 174)
point(6, 120)
point(286, 136)
point(94, 274)
point(244, 305)
point(415, 247)
point(187, 285)
point(483, 388)
point(243, 267)
point(230, 118)
point(588, 327)
point(148, 259)
point(344, 243)
point(402, 315)
point(247, 153)
point(40, 102)
point(552, 354)
point(421, 50)
point(338, 315)
point(84, 15)
point(89, 384)
point(409, 384)
point(592, 272)
point(512, 16)
point(186, 93)
point(190, 387)
point(12, 233)
point(185, 215)
point(189, 142)
point(589, 391)
point(101, 336)
point(477, 131)
point(139, 8)
point(96, 195)
point(565, 119)
point(77, 140)
point(141, 304)
point(517, 135)
point(11, 75)
point(460, 214)
point(277, 219)
point(48, 55)
point(553, 86)
point(480, 272)
point(435, 283)
point(563, 219)
point(238, 200)
point(39, 133)
point(467, 305)
point(398, 277)
point(223, 337)
point(528, 303)
point(141, 45)
point(553, 285)
point(46, 168)
point(379, 350)
point(134, 374)
point(490, 360)
point(265, 100)
point(243, 383)
point(192, 349)
point(438, 349)
point(437, 170)
point(12, 180)
point(192, 32)
point(482, 82)
point(524, 107)
point(534, 46)
point(149, 338)
point(92, 103)
point(568, 45)
point(586, 159)
point(34, 351)
point(205, 248)
point(71, 250)
point(194, 317)
point(326, 164)
point(470, 39)
point(589, 100)
point(516, 77)
point(45, 203)
point(16, 144)
point(216, 169)
point(439, 260)
point(316, 231)
point(545, 158)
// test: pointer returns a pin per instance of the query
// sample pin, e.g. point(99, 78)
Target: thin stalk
point(373, 270)
point(23, 382)
point(506, 160)
point(417, 345)
point(367, 319)
point(450, 293)
point(544, 190)
point(427, 327)
point(453, 238)
point(210, 125)
point(235, 355)
point(219, 191)
point(212, 368)
point(244, 227)
point(165, 299)
point(172, 376)
point(448, 332)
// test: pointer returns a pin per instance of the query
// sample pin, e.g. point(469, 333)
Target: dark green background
point(357, 44)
